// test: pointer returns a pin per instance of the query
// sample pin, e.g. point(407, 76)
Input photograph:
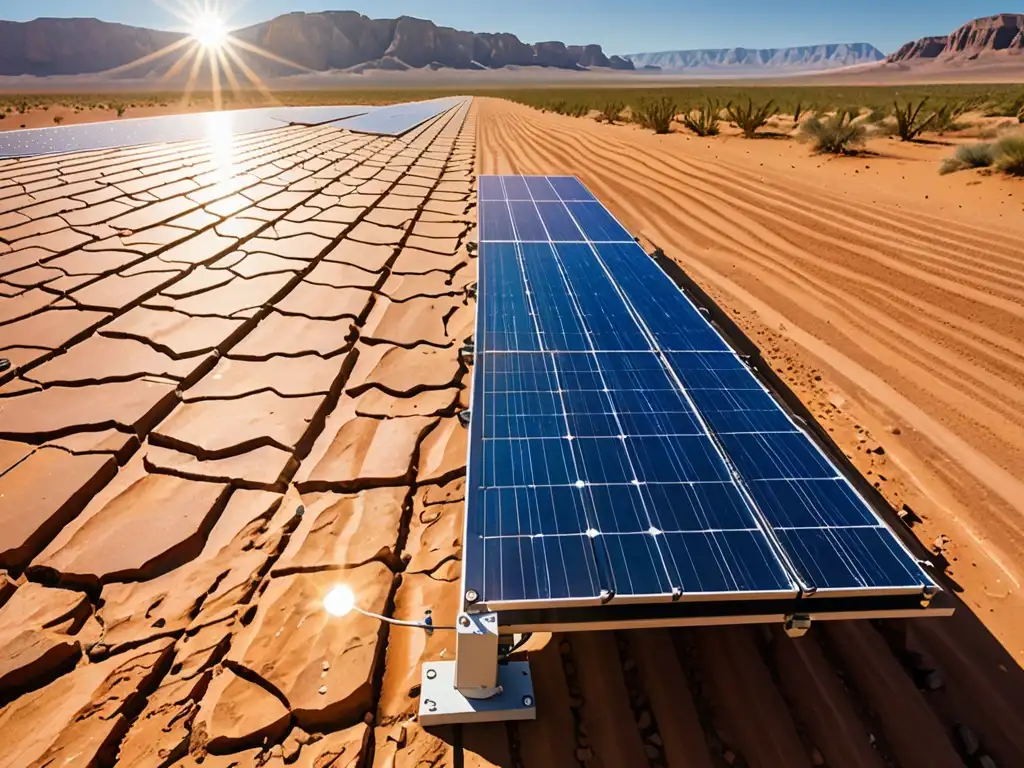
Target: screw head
point(472, 595)
point(527, 701)
point(431, 674)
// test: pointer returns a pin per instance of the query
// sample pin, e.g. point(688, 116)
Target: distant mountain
point(330, 40)
point(1002, 34)
point(804, 58)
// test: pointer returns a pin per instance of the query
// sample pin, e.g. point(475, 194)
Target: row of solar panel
point(611, 424)
point(393, 120)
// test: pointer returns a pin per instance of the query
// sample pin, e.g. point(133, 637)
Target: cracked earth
point(235, 382)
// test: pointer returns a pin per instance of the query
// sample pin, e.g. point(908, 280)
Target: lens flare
point(210, 31)
point(340, 601)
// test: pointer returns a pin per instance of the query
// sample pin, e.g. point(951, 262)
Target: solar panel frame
point(492, 192)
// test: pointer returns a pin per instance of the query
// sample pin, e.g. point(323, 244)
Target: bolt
point(464, 621)
point(472, 595)
point(527, 701)
point(431, 674)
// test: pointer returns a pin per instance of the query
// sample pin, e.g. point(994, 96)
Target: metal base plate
point(442, 704)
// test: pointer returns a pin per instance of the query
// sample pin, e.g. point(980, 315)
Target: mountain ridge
point(322, 41)
point(801, 58)
point(1003, 32)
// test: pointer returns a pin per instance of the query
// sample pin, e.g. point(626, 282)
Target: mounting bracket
point(797, 625)
point(476, 687)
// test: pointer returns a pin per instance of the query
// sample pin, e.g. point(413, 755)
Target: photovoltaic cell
point(619, 448)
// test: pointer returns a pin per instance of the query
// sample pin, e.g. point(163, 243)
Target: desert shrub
point(948, 115)
point(1009, 154)
point(1020, 114)
point(611, 110)
point(979, 155)
point(798, 111)
point(909, 124)
point(119, 108)
point(57, 119)
point(656, 114)
point(577, 110)
point(837, 134)
point(749, 118)
point(703, 120)
point(22, 107)
point(876, 116)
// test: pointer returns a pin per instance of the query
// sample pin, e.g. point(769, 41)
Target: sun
point(210, 31)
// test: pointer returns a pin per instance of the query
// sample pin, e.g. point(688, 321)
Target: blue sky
point(621, 26)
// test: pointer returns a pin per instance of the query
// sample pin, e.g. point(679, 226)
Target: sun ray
point(166, 50)
point(197, 64)
point(181, 63)
point(266, 54)
point(214, 62)
point(251, 76)
point(229, 72)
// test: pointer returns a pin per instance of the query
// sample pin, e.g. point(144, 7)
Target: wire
point(523, 640)
point(401, 623)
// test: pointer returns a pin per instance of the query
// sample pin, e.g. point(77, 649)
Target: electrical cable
point(522, 641)
point(401, 623)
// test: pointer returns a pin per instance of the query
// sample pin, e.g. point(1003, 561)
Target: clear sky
point(621, 26)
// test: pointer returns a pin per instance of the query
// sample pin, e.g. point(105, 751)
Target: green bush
point(908, 123)
point(656, 114)
point(611, 110)
point(837, 134)
point(703, 120)
point(979, 155)
point(1009, 154)
point(749, 118)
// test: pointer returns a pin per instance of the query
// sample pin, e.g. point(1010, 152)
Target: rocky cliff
point(330, 40)
point(1001, 33)
point(803, 58)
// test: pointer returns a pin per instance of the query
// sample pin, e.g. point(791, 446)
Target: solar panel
point(621, 452)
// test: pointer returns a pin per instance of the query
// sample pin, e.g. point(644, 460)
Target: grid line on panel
point(781, 459)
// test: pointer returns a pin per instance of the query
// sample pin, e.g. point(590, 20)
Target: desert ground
point(229, 391)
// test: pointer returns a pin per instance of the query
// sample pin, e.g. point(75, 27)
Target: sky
point(620, 26)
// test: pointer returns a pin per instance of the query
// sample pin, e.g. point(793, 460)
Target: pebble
point(584, 755)
point(323, 689)
point(816, 757)
point(986, 762)
point(644, 721)
point(729, 756)
point(326, 666)
point(653, 753)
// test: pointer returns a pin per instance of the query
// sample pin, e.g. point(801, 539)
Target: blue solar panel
point(620, 450)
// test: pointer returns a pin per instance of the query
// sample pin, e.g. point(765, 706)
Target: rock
point(213, 429)
point(41, 495)
point(37, 628)
point(236, 713)
point(153, 525)
point(285, 376)
point(79, 717)
point(443, 453)
point(354, 451)
point(292, 635)
point(435, 539)
point(134, 406)
point(345, 531)
point(408, 745)
point(934, 680)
